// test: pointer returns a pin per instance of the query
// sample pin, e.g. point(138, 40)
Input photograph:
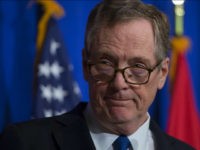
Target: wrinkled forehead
point(137, 27)
point(132, 39)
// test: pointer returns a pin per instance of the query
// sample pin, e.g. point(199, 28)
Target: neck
point(122, 128)
point(118, 128)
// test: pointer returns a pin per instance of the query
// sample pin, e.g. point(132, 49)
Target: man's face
point(118, 102)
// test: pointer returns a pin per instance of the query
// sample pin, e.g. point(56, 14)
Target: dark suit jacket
point(68, 132)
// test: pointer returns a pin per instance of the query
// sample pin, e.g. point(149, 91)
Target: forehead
point(126, 40)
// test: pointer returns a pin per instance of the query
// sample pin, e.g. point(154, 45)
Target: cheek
point(146, 94)
point(150, 91)
point(96, 94)
point(97, 102)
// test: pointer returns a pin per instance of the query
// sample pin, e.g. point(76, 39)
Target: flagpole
point(179, 16)
point(179, 42)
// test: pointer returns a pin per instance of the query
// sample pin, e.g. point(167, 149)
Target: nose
point(119, 82)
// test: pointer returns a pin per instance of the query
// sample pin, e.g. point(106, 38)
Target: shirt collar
point(104, 140)
point(140, 136)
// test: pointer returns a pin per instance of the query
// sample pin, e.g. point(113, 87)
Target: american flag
point(56, 90)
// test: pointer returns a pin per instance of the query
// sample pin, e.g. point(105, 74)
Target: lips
point(118, 99)
point(121, 100)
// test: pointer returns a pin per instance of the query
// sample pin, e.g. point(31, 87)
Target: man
point(125, 62)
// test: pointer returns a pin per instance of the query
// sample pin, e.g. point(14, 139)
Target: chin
point(120, 116)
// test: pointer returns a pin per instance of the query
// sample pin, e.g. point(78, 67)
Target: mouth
point(118, 98)
point(122, 101)
point(116, 101)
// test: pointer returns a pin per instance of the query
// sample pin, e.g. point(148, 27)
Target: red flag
point(183, 121)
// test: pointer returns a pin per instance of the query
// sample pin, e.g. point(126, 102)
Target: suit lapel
point(71, 132)
point(161, 139)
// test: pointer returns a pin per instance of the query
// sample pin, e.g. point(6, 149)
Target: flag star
point(70, 67)
point(60, 112)
point(48, 113)
point(53, 47)
point(76, 89)
point(56, 69)
point(59, 93)
point(46, 92)
point(44, 69)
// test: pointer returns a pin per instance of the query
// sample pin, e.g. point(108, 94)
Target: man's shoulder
point(44, 124)
point(178, 144)
point(44, 133)
point(165, 141)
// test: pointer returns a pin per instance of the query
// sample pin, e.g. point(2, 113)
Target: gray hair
point(108, 13)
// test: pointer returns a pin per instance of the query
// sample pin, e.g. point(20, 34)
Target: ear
point(163, 72)
point(84, 64)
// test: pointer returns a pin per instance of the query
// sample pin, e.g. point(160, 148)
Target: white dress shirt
point(141, 139)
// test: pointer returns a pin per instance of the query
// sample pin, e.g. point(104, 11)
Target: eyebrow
point(105, 53)
point(111, 55)
point(140, 60)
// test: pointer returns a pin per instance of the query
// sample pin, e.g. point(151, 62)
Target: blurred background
point(18, 37)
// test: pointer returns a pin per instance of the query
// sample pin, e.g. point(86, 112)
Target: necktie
point(121, 143)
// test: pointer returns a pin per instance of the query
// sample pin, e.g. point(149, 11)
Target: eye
point(140, 65)
point(105, 62)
